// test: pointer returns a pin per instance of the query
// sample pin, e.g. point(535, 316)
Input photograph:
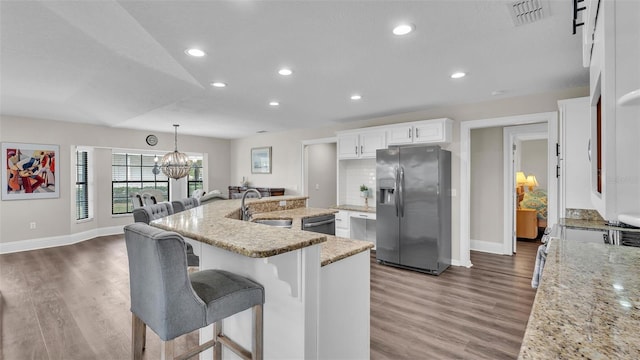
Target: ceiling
point(123, 63)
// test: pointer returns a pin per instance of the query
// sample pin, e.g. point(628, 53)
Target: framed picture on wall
point(261, 160)
point(29, 171)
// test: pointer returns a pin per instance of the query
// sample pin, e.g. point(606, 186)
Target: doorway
point(529, 155)
point(550, 118)
point(319, 178)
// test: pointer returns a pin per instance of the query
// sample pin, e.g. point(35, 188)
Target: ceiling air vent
point(528, 11)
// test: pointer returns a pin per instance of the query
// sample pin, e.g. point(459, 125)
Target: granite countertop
point(592, 224)
point(369, 209)
point(587, 304)
point(217, 223)
point(296, 215)
point(335, 248)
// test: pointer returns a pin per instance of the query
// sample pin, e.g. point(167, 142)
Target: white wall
point(287, 154)
point(56, 217)
point(486, 203)
point(533, 160)
point(321, 171)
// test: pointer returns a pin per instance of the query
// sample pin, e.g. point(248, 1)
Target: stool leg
point(166, 352)
point(138, 332)
point(217, 348)
point(258, 334)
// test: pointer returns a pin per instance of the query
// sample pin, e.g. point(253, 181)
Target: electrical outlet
point(283, 203)
point(317, 186)
point(32, 225)
point(453, 192)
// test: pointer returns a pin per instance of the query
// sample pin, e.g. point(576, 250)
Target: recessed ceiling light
point(274, 103)
point(458, 75)
point(356, 97)
point(497, 92)
point(195, 52)
point(218, 84)
point(403, 29)
point(285, 72)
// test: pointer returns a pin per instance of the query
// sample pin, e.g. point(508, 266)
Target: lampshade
point(175, 164)
point(520, 178)
point(531, 181)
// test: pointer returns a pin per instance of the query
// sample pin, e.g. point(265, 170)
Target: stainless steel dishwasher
point(325, 224)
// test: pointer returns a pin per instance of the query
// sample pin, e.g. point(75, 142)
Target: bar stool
point(148, 213)
point(184, 204)
point(173, 303)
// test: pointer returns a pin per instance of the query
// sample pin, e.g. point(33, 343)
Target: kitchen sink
point(283, 223)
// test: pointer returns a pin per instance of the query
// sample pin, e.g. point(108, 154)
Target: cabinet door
point(428, 133)
point(342, 220)
point(370, 142)
point(348, 146)
point(398, 135)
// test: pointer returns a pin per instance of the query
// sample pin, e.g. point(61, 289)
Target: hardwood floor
point(476, 313)
point(72, 302)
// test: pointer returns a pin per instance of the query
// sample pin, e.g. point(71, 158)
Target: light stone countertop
point(296, 215)
point(369, 209)
point(335, 248)
point(587, 304)
point(589, 224)
point(217, 223)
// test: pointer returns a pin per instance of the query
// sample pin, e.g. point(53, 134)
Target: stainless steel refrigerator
point(413, 210)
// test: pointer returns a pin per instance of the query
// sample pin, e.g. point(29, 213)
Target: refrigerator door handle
point(401, 195)
point(397, 192)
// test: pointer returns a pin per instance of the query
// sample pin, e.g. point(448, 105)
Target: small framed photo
point(30, 171)
point(261, 160)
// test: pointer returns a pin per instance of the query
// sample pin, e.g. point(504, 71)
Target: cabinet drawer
point(363, 215)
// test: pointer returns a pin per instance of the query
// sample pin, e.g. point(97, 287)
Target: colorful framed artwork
point(261, 160)
point(29, 171)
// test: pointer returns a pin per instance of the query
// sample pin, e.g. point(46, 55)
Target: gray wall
point(487, 188)
point(287, 152)
point(321, 171)
point(56, 217)
point(533, 160)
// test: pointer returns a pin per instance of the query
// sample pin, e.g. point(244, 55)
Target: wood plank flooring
point(72, 302)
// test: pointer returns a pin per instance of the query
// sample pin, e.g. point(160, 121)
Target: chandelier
point(175, 164)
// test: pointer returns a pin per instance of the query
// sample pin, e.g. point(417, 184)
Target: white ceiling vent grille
point(528, 11)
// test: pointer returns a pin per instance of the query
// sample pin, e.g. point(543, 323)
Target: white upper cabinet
point(360, 144)
point(429, 131)
point(363, 143)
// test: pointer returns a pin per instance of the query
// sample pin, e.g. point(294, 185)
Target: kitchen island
point(311, 311)
point(587, 304)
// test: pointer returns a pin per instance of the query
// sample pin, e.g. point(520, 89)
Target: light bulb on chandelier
point(175, 164)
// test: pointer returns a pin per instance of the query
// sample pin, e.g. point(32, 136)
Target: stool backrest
point(184, 204)
point(148, 213)
point(161, 292)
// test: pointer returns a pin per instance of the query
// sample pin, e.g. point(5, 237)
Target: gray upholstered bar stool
point(148, 213)
point(172, 302)
point(184, 204)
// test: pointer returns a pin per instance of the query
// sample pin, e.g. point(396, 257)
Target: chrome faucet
point(245, 210)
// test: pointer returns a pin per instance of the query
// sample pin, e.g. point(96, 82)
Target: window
point(133, 173)
point(82, 185)
point(194, 179)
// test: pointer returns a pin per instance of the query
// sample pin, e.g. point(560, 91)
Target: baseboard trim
point(487, 246)
point(43, 243)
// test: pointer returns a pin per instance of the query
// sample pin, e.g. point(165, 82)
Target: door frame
point(513, 135)
point(303, 159)
point(551, 118)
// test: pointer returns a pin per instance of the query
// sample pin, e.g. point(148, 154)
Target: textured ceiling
point(122, 63)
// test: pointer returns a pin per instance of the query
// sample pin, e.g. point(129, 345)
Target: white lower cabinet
point(356, 225)
point(343, 224)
